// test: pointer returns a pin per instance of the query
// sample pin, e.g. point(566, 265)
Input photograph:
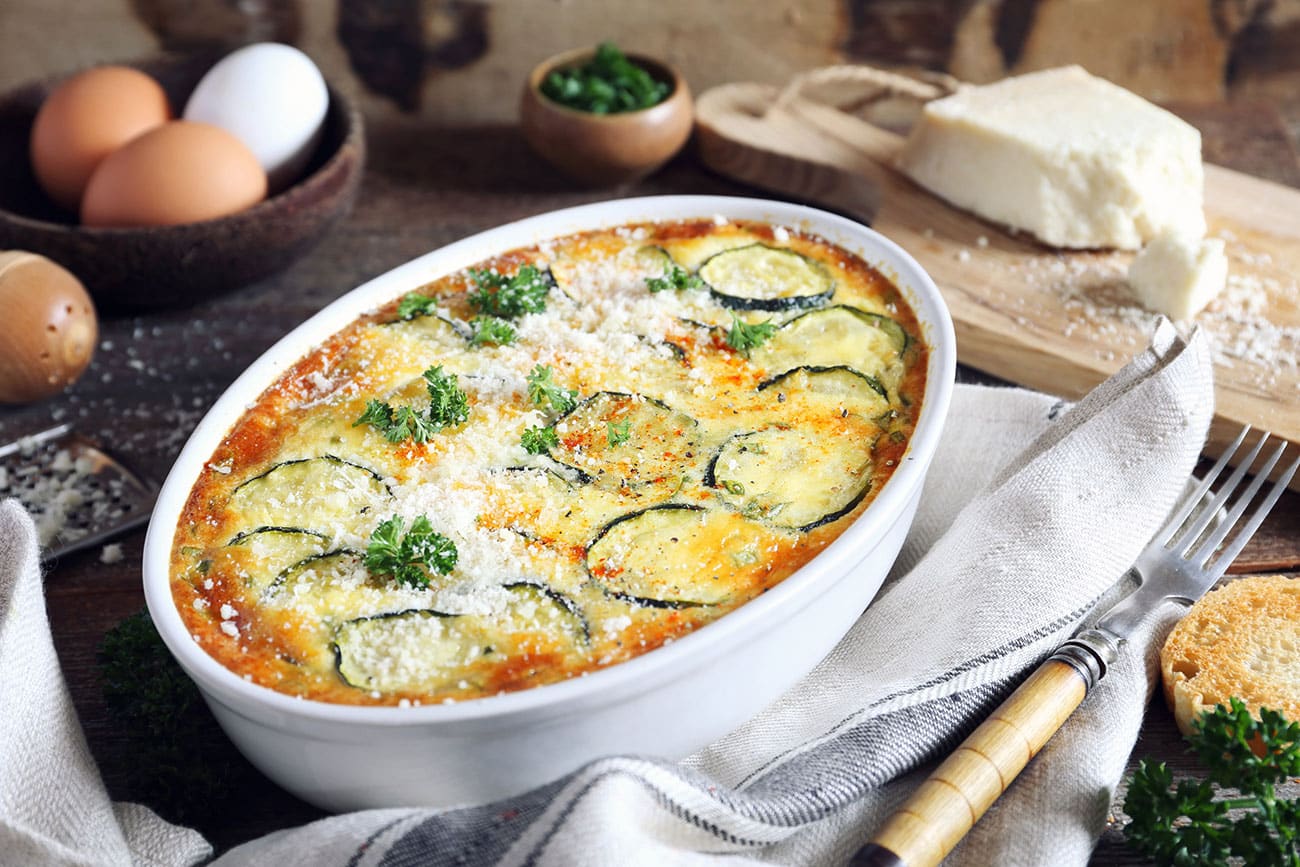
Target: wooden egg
point(48, 331)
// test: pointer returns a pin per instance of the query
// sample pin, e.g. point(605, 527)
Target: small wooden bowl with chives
point(603, 132)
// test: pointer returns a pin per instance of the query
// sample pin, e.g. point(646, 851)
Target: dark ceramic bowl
point(171, 266)
point(605, 149)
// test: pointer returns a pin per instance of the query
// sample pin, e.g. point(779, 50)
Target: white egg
point(271, 97)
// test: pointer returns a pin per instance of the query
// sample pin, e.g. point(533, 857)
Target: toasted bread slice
point(1242, 640)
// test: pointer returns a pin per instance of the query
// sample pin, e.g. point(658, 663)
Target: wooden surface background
point(446, 162)
point(155, 375)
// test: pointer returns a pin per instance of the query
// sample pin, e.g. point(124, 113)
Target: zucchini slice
point(834, 390)
point(405, 650)
point(759, 277)
point(833, 336)
point(426, 650)
point(265, 552)
point(433, 327)
point(321, 493)
point(334, 586)
point(677, 556)
point(792, 477)
point(538, 608)
point(665, 348)
point(621, 440)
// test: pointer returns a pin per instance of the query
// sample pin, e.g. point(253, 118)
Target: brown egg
point(48, 330)
point(181, 172)
point(85, 119)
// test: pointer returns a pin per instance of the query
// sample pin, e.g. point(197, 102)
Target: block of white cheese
point(1068, 157)
point(1178, 275)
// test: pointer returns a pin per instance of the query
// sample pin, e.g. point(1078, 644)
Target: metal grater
point(78, 495)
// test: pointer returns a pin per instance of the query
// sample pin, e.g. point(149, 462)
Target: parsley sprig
point(617, 433)
point(510, 297)
point(493, 331)
point(675, 277)
point(409, 558)
point(743, 337)
point(414, 305)
point(1185, 823)
point(448, 407)
point(544, 391)
point(536, 440)
point(607, 84)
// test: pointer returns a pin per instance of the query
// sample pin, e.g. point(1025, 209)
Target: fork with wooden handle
point(1181, 563)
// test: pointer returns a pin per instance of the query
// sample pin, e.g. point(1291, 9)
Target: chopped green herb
point(510, 297)
point(408, 559)
point(491, 330)
point(409, 423)
point(618, 433)
point(607, 84)
point(173, 755)
point(897, 436)
point(743, 337)
point(543, 391)
point(732, 487)
point(396, 425)
point(1185, 823)
point(414, 305)
point(675, 277)
point(448, 406)
point(536, 440)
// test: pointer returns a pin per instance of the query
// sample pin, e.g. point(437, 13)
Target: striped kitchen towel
point(1032, 512)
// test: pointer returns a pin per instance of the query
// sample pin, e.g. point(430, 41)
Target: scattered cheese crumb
point(110, 554)
point(1178, 275)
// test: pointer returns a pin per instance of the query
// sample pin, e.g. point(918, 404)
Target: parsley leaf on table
point(408, 559)
point(1185, 823)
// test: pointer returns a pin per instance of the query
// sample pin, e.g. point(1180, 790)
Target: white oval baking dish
point(668, 702)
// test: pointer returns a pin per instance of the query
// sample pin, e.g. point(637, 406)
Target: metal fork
point(1178, 566)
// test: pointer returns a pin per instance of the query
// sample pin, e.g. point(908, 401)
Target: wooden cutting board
point(1053, 320)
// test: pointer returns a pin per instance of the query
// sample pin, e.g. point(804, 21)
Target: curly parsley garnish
point(675, 277)
point(618, 433)
point(607, 84)
point(743, 337)
point(1186, 824)
point(491, 330)
point(415, 305)
point(536, 440)
point(448, 407)
point(543, 391)
point(510, 297)
point(409, 559)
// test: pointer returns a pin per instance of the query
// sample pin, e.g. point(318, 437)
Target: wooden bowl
point(170, 266)
point(606, 149)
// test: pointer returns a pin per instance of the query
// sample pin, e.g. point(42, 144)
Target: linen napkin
point(1032, 512)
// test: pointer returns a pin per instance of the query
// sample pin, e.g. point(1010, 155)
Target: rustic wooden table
point(156, 374)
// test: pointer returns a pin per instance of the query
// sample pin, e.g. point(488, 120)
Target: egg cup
point(171, 266)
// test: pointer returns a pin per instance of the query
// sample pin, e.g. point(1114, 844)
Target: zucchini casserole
point(550, 463)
